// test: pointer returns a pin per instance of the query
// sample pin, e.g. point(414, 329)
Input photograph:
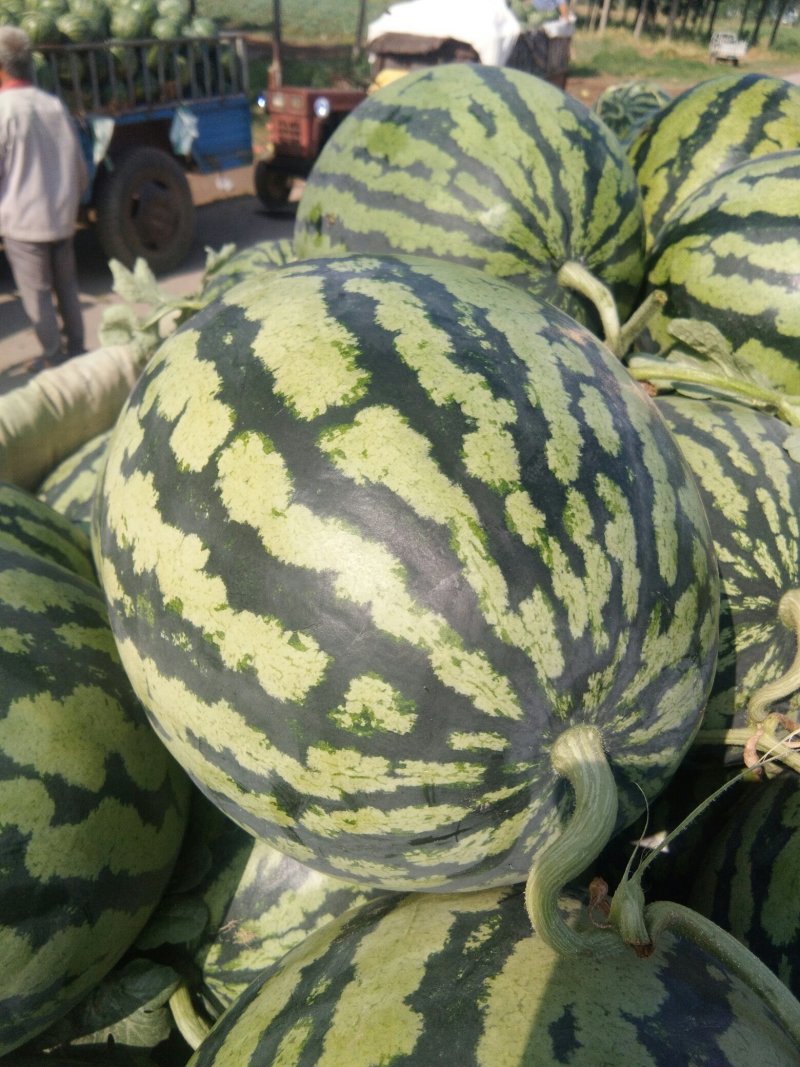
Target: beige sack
point(60, 409)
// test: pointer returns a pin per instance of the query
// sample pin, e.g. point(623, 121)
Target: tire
point(145, 210)
point(273, 188)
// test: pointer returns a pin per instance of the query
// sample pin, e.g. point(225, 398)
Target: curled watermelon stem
point(574, 275)
point(665, 916)
point(191, 1025)
point(768, 694)
point(579, 756)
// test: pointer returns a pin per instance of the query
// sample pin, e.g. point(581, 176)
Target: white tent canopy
point(488, 25)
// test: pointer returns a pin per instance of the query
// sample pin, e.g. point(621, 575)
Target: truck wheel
point(273, 188)
point(145, 210)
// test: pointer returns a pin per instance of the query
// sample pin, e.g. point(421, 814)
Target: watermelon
point(244, 263)
point(31, 526)
point(626, 107)
point(70, 487)
point(731, 256)
point(747, 882)
point(260, 904)
point(420, 979)
point(749, 479)
point(92, 807)
point(375, 533)
point(485, 166)
point(706, 130)
point(75, 29)
point(40, 26)
point(165, 28)
point(130, 23)
point(200, 26)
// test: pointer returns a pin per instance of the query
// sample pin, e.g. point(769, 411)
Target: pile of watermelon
point(407, 673)
point(95, 54)
point(84, 21)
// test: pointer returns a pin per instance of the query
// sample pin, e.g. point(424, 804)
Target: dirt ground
point(587, 90)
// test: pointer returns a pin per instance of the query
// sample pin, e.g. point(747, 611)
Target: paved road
point(241, 220)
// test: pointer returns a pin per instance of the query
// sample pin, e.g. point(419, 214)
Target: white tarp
point(488, 25)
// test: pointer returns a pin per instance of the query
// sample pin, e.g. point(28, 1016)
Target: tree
point(275, 76)
point(778, 19)
point(358, 44)
point(671, 17)
point(759, 19)
point(604, 16)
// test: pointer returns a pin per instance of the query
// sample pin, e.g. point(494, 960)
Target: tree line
point(759, 20)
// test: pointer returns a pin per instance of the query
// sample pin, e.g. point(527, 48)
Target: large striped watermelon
point(486, 166)
point(69, 488)
point(31, 526)
point(261, 903)
point(422, 979)
point(750, 483)
point(730, 255)
point(627, 106)
point(374, 533)
point(92, 807)
point(706, 130)
point(243, 263)
point(747, 882)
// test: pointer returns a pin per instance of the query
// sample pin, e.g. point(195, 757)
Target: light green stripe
point(38, 593)
point(312, 358)
point(71, 738)
point(365, 573)
point(371, 705)
point(201, 420)
point(88, 949)
point(111, 837)
point(388, 967)
point(288, 664)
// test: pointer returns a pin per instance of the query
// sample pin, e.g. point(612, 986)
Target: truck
point(301, 119)
point(150, 113)
point(727, 48)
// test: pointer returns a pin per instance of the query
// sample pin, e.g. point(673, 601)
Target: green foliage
point(302, 20)
point(616, 54)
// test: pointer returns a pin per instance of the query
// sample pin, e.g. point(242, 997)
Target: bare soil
point(587, 90)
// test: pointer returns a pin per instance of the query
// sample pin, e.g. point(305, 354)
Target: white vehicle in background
point(727, 48)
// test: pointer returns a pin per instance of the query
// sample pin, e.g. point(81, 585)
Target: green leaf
point(176, 921)
point(708, 341)
point(129, 1007)
point(120, 325)
point(703, 337)
point(217, 258)
point(132, 1005)
point(138, 286)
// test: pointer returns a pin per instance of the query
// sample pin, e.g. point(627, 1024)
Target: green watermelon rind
point(316, 706)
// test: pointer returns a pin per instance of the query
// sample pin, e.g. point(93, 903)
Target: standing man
point(43, 175)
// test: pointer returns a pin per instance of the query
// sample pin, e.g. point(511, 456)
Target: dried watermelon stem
point(781, 747)
point(579, 756)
